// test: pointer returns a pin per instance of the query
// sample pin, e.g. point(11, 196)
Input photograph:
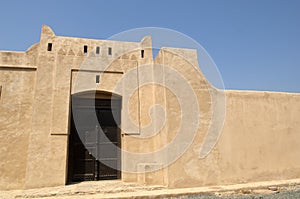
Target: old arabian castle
point(75, 109)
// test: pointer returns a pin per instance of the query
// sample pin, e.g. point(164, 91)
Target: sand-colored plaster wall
point(261, 136)
point(15, 124)
point(260, 141)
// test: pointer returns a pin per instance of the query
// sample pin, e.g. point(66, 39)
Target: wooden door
point(94, 141)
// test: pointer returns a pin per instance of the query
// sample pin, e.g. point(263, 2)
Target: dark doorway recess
point(94, 138)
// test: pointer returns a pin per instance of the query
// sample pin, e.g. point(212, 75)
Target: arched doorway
point(94, 137)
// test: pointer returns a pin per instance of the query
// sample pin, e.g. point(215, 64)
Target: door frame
point(92, 95)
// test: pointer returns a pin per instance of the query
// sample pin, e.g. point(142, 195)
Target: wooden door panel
point(101, 141)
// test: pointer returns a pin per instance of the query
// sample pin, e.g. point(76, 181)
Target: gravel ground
point(288, 189)
point(292, 194)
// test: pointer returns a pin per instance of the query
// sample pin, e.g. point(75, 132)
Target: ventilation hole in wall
point(85, 49)
point(109, 51)
point(97, 50)
point(49, 48)
point(142, 53)
point(97, 79)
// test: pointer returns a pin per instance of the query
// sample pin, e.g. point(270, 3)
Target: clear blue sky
point(255, 43)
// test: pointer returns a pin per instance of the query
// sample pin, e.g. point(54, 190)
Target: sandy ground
point(119, 189)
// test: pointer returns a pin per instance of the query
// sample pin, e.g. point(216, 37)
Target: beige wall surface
point(260, 138)
point(15, 124)
point(259, 142)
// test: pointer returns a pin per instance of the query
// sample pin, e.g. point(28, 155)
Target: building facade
point(75, 109)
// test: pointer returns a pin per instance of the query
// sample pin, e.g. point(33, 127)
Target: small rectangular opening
point(142, 53)
point(0, 91)
point(85, 49)
point(97, 50)
point(109, 51)
point(97, 79)
point(49, 48)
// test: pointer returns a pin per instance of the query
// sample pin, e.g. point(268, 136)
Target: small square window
point(109, 51)
point(97, 50)
point(49, 48)
point(85, 49)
